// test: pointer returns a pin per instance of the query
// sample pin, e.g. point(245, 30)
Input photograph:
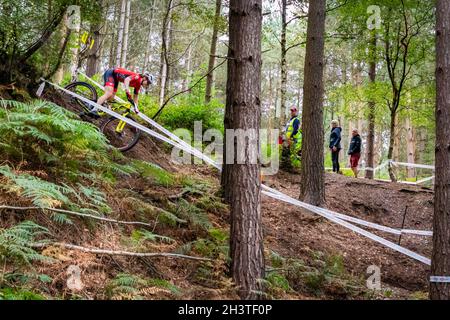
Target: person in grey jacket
point(335, 145)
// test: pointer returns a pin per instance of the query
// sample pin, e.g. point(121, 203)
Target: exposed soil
point(290, 231)
point(294, 232)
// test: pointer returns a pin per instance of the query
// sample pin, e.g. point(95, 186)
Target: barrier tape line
point(413, 165)
point(153, 123)
point(439, 279)
point(217, 166)
point(200, 155)
point(354, 228)
point(270, 192)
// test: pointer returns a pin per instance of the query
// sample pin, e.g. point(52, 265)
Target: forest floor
point(295, 233)
point(308, 256)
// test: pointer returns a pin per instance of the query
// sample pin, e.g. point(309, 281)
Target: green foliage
point(187, 109)
point(324, 275)
point(215, 246)
point(19, 294)
point(141, 236)
point(16, 243)
point(45, 194)
point(149, 211)
point(194, 215)
point(42, 193)
point(277, 283)
point(155, 173)
point(131, 287)
point(43, 133)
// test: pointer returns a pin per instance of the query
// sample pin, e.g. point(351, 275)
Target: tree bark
point(93, 59)
point(313, 171)
point(114, 35)
point(120, 35)
point(51, 28)
point(283, 65)
point(372, 106)
point(212, 53)
point(241, 182)
point(440, 265)
point(410, 147)
point(164, 64)
point(126, 33)
point(149, 37)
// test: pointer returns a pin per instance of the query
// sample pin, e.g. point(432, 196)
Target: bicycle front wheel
point(86, 91)
point(120, 135)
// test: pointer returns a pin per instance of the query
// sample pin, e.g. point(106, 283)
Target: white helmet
point(150, 77)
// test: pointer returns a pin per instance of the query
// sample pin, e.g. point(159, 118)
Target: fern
point(16, 243)
point(194, 215)
point(127, 286)
point(144, 235)
point(40, 192)
point(42, 131)
point(158, 175)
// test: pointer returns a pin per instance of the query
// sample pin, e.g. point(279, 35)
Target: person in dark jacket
point(354, 151)
point(335, 145)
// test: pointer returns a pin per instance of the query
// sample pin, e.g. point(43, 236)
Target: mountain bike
point(120, 135)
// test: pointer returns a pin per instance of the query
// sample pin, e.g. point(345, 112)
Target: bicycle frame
point(117, 107)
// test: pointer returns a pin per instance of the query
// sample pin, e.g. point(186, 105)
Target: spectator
point(354, 151)
point(335, 145)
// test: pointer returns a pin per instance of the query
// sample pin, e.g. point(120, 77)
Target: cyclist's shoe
point(93, 112)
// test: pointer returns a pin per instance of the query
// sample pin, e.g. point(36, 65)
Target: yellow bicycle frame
point(116, 108)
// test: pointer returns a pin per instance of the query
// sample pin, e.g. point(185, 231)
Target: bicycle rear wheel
point(124, 140)
point(86, 91)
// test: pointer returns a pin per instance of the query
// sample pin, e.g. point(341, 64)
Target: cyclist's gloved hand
point(129, 97)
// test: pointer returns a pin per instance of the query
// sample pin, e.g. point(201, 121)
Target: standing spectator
point(354, 151)
point(335, 145)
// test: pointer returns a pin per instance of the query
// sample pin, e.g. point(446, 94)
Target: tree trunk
point(212, 53)
point(65, 37)
point(312, 183)
point(372, 106)
point(51, 28)
point(166, 25)
point(392, 143)
point(241, 182)
point(440, 265)
point(126, 32)
point(187, 78)
point(120, 35)
point(397, 139)
point(410, 147)
point(93, 60)
point(149, 37)
point(283, 67)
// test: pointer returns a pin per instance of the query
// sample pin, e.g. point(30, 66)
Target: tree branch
point(187, 90)
point(85, 215)
point(119, 252)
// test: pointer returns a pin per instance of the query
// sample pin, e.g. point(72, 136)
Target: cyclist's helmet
point(149, 77)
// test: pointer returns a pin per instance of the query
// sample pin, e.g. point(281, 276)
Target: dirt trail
point(294, 232)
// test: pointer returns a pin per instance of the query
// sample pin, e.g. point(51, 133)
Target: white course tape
point(439, 279)
point(350, 226)
point(356, 220)
point(425, 180)
point(156, 125)
point(188, 148)
point(413, 165)
point(269, 191)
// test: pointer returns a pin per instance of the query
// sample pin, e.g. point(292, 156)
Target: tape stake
point(440, 279)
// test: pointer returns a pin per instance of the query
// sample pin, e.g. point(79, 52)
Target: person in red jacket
point(113, 77)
